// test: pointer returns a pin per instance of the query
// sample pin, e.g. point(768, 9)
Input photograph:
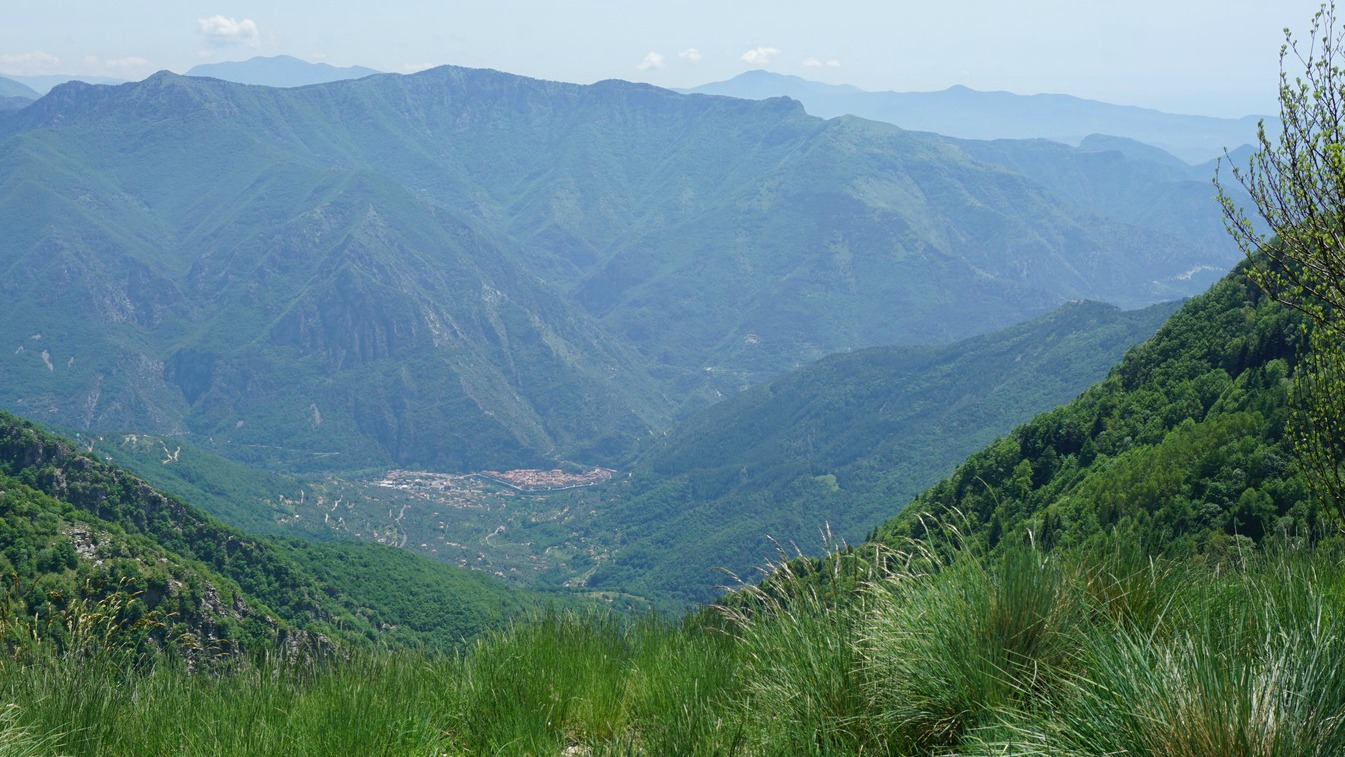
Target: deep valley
point(438, 410)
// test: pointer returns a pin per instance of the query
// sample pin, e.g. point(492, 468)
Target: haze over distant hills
point(12, 88)
point(279, 71)
point(462, 268)
point(44, 83)
point(970, 114)
point(269, 71)
point(14, 95)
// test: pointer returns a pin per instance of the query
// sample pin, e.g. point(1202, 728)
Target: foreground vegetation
point(1024, 653)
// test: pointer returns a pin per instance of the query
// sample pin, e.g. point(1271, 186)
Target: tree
point(1297, 183)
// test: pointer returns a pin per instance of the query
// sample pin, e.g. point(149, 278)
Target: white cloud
point(690, 55)
point(816, 63)
point(130, 61)
point(220, 31)
point(30, 64)
point(130, 65)
point(760, 56)
point(651, 60)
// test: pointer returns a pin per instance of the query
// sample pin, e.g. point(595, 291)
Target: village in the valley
point(507, 523)
point(443, 486)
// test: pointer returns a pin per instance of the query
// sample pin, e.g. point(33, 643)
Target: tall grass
point(1252, 663)
point(800, 661)
point(541, 685)
point(596, 682)
point(17, 740)
point(1106, 652)
point(366, 704)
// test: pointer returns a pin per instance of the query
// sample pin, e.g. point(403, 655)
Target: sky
point(1208, 57)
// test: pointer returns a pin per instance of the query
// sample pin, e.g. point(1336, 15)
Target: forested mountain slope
point(78, 532)
point(837, 445)
point(1181, 449)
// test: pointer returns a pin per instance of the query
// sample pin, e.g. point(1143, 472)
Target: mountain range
point(971, 114)
point(462, 269)
point(775, 325)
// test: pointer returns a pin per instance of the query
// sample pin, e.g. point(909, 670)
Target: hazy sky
point(1215, 57)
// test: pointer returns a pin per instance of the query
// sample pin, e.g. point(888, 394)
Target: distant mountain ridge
point(279, 71)
point(12, 88)
point(15, 95)
point(970, 114)
point(44, 83)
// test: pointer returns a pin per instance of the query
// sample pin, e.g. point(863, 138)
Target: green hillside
point(87, 545)
point(246, 497)
point(75, 581)
point(79, 532)
point(1181, 449)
